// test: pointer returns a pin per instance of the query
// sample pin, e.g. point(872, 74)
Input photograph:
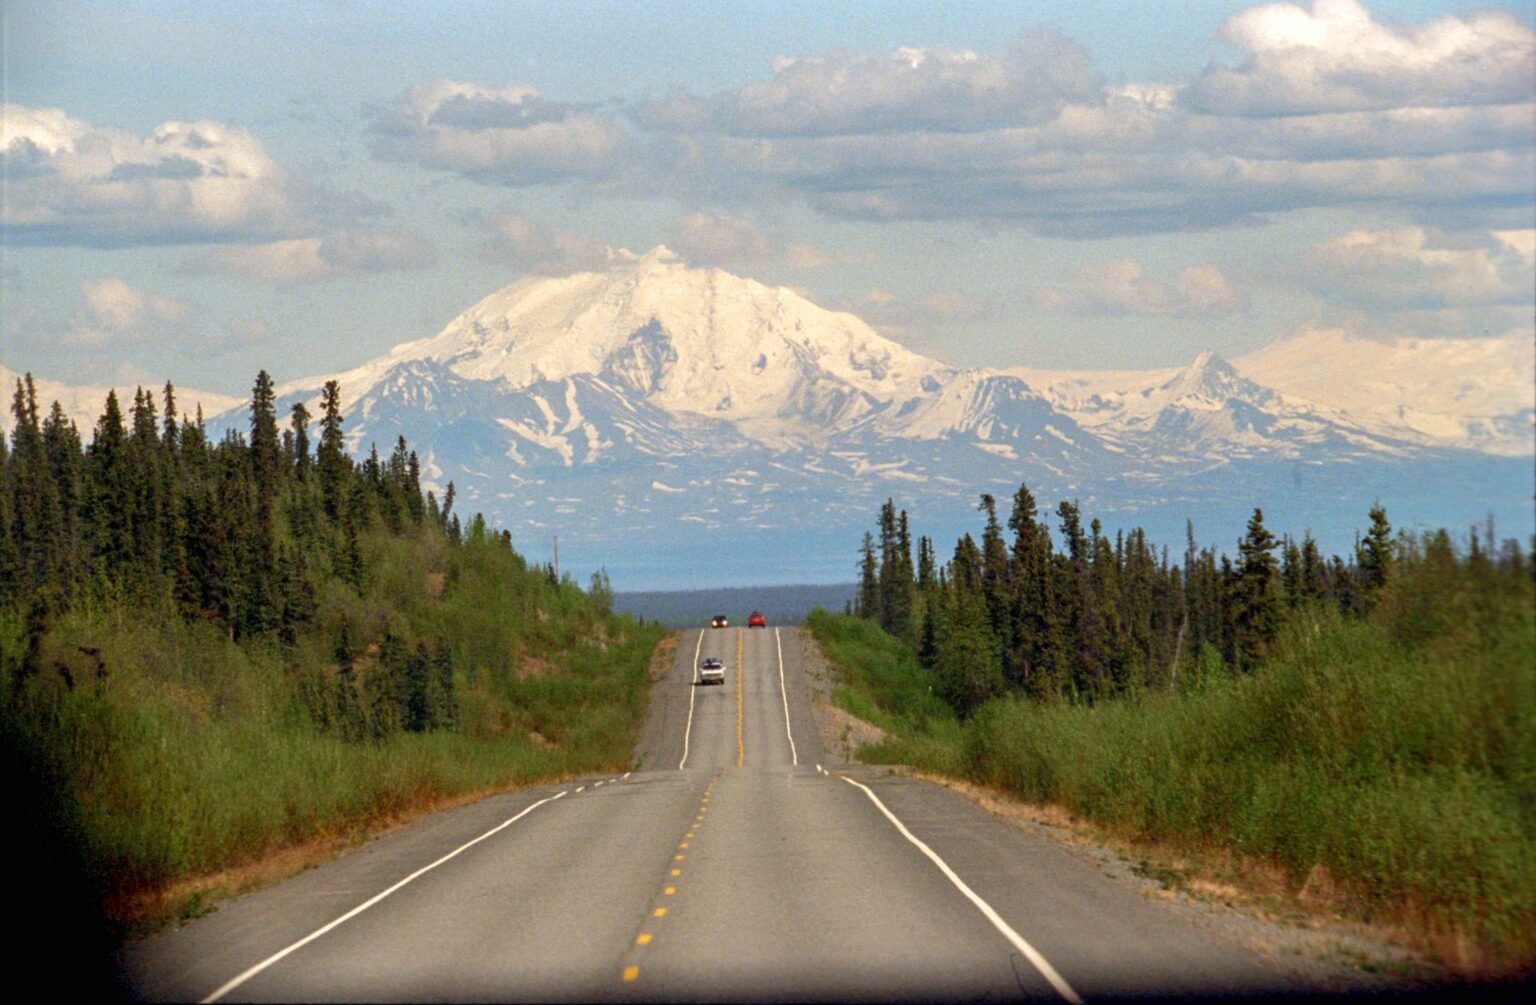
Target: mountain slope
point(687, 426)
point(1207, 409)
point(698, 341)
point(1475, 393)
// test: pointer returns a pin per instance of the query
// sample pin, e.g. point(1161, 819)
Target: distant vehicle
point(711, 671)
point(719, 621)
point(756, 620)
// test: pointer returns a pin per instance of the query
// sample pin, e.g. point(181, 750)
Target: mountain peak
point(687, 339)
point(1209, 376)
point(659, 255)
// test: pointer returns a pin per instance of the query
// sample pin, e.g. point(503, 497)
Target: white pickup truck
point(711, 671)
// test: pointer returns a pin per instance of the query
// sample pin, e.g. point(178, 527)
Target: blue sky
point(197, 191)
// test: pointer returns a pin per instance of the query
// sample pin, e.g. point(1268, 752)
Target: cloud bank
point(73, 183)
point(1323, 106)
point(314, 259)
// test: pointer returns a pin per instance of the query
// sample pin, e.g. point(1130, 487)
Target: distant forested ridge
point(1101, 616)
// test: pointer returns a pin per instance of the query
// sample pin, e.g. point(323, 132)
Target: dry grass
point(662, 657)
point(530, 666)
point(843, 733)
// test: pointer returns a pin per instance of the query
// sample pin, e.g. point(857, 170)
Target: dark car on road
point(719, 621)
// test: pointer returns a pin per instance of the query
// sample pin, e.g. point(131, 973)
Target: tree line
point(243, 533)
point(1102, 616)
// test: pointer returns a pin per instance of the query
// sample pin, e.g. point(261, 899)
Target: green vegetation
point(882, 683)
point(1382, 745)
point(211, 652)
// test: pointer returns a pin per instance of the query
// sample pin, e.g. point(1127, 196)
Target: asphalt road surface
point(732, 862)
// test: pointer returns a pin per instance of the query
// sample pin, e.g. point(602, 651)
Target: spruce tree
point(298, 421)
point(1257, 603)
point(1375, 552)
point(331, 459)
point(349, 708)
point(37, 517)
point(867, 604)
point(110, 503)
point(996, 574)
point(968, 664)
point(61, 525)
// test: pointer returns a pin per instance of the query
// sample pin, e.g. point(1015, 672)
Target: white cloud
point(113, 313)
point(1411, 269)
point(1122, 288)
point(314, 259)
point(73, 183)
point(1327, 107)
point(914, 320)
point(909, 90)
point(524, 246)
point(511, 136)
point(708, 239)
point(1337, 57)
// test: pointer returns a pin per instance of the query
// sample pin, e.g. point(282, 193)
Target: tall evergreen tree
point(110, 504)
point(1375, 552)
point(868, 601)
point(331, 459)
point(298, 422)
point(1257, 603)
point(996, 574)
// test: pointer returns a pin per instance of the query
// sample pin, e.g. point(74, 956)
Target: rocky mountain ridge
point(662, 419)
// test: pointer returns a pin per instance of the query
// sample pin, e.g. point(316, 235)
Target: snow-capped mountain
point(1476, 393)
point(664, 420)
point(690, 341)
point(1208, 409)
point(84, 404)
point(686, 426)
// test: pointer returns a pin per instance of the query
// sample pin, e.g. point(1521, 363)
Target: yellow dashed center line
point(631, 972)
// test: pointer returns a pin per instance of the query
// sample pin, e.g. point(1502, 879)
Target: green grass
point(882, 683)
point(1399, 760)
point(194, 754)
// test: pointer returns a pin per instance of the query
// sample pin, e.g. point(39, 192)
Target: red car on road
point(756, 620)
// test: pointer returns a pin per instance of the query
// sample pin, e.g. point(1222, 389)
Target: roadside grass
point(177, 755)
point(881, 682)
point(1386, 767)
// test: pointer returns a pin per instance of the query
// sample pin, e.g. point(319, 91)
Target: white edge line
point(692, 689)
point(1033, 955)
point(794, 758)
point(235, 982)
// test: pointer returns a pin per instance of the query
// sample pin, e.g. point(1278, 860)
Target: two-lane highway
point(732, 862)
